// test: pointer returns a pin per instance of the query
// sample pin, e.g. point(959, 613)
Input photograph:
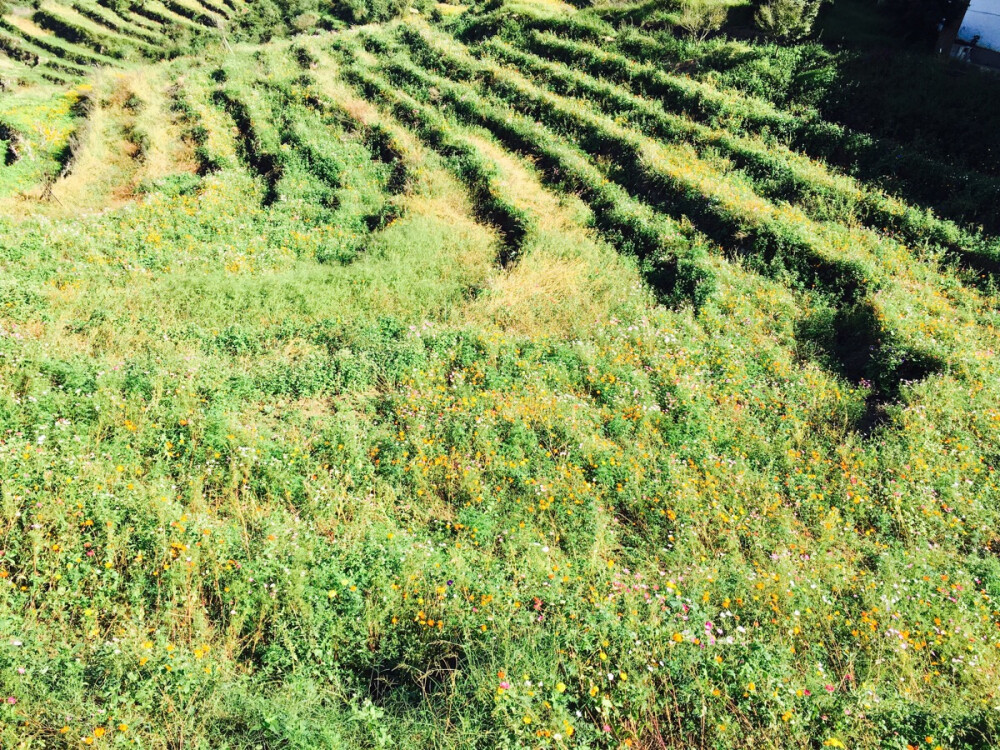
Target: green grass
point(494, 382)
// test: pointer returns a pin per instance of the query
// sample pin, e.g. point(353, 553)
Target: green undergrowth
point(421, 386)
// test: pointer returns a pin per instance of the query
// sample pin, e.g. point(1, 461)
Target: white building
point(978, 39)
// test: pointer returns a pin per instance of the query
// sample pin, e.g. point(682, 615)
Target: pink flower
point(505, 686)
point(606, 728)
point(829, 688)
point(12, 700)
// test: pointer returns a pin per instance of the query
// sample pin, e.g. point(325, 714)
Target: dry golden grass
point(26, 25)
point(167, 152)
point(108, 164)
point(567, 279)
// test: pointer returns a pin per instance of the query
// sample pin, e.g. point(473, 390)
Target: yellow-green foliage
point(386, 387)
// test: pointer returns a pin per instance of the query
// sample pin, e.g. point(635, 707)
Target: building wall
point(987, 57)
point(982, 19)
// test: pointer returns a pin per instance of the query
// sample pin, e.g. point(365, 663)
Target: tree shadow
point(851, 342)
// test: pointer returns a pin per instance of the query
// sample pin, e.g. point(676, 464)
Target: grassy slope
point(383, 388)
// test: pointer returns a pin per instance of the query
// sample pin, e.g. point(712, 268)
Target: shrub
point(305, 21)
point(787, 19)
point(699, 18)
point(371, 11)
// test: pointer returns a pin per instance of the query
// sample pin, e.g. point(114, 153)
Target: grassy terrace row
point(20, 72)
point(50, 71)
point(584, 44)
point(142, 21)
point(195, 13)
point(259, 144)
point(604, 133)
point(133, 17)
point(304, 118)
point(877, 359)
point(159, 13)
point(284, 139)
point(604, 138)
point(306, 115)
point(74, 27)
point(777, 172)
point(672, 260)
point(111, 20)
point(219, 7)
point(21, 112)
point(478, 174)
point(52, 19)
point(907, 304)
point(19, 48)
point(58, 47)
point(194, 131)
point(381, 142)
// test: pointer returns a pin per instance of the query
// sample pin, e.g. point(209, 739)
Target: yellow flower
point(99, 732)
point(123, 727)
point(678, 637)
point(560, 687)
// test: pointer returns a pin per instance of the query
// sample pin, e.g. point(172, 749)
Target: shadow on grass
point(851, 342)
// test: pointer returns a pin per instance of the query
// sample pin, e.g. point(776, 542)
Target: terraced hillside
point(63, 42)
point(482, 378)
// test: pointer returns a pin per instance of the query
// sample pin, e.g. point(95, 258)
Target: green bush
point(699, 18)
point(787, 19)
point(370, 11)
